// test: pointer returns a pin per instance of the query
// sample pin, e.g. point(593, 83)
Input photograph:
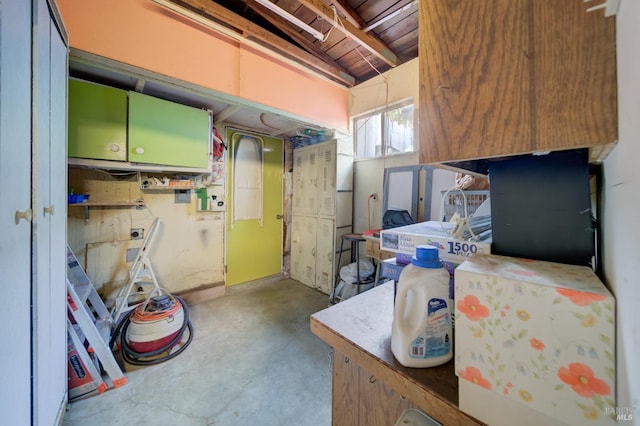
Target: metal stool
point(355, 240)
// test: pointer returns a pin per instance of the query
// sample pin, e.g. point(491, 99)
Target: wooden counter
point(369, 386)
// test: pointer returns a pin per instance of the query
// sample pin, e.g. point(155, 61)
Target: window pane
point(399, 130)
point(368, 136)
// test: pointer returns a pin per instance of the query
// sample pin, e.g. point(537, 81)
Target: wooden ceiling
point(361, 37)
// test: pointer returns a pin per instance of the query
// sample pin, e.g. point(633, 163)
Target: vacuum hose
point(151, 358)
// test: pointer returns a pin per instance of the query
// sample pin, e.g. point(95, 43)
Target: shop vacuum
point(154, 331)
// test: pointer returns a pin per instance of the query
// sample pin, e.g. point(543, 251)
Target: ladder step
point(90, 322)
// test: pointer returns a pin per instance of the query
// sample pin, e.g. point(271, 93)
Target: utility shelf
point(107, 204)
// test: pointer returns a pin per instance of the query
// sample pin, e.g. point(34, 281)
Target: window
point(384, 133)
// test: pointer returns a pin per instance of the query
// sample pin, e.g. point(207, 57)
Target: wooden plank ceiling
point(361, 37)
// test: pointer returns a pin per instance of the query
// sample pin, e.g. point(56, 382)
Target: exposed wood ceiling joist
point(370, 42)
point(249, 30)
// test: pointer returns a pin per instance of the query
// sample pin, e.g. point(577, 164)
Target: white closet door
point(49, 229)
point(15, 193)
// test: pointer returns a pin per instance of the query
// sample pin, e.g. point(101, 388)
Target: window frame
point(384, 134)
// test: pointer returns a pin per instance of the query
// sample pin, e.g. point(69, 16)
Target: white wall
point(621, 206)
point(185, 254)
point(398, 84)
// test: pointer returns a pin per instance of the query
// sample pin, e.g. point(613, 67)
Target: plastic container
point(421, 334)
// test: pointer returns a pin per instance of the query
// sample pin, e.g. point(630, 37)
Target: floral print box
point(537, 333)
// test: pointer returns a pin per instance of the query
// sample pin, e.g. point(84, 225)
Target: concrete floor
point(253, 361)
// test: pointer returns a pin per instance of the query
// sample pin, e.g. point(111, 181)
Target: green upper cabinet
point(163, 132)
point(97, 121)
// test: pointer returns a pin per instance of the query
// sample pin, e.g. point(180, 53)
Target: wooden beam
point(350, 14)
point(297, 36)
point(370, 42)
point(248, 29)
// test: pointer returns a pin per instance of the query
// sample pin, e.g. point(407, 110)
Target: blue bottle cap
point(427, 257)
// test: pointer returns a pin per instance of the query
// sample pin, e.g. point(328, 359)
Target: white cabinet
point(322, 210)
point(33, 87)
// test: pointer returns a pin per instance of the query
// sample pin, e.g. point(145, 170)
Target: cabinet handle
point(114, 147)
point(49, 210)
point(346, 360)
point(139, 150)
point(372, 379)
point(313, 252)
point(27, 215)
point(279, 216)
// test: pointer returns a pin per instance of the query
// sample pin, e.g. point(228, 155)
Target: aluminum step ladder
point(94, 322)
point(141, 274)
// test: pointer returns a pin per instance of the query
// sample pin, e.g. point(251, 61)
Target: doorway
point(254, 215)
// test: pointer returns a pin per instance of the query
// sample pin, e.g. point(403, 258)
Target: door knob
point(114, 147)
point(139, 150)
point(26, 215)
point(49, 210)
point(279, 216)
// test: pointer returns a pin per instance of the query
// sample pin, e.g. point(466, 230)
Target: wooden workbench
point(369, 386)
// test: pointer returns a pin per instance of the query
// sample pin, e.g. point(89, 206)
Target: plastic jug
point(421, 334)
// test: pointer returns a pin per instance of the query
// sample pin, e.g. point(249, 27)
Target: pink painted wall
point(143, 34)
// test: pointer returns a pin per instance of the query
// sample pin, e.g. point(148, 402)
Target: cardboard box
point(405, 239)
point(539, 337)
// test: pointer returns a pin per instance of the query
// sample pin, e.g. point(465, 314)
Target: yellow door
point(254, 212)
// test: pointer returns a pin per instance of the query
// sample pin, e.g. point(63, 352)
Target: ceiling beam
point(370, 42)
point(248, 29)
point(296, 36)
point(350, 14)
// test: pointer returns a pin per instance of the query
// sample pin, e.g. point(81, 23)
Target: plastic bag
point(348, 272)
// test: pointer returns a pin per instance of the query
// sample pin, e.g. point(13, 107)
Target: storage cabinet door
point(326, 175)
point(474, 62)
point(300, 159)
point(324, 255)
point(97, 121)
point(309, 251)
point(297, 247)
point(310, 193)
point(163, 132)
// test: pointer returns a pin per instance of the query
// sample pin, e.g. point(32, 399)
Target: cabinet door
point(49, 234)
point(311, 182)
point(97, 121)
point(324, 255)
point(512, 77)
point(163, 132)
point(309, 251)
point(15, 192)
point(345, 391)
point(326, 177)
point(475, 79)
point(575, 76)
point(300, 159)
point(297, 246)
point(379, 405)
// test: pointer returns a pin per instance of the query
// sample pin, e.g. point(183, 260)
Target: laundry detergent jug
point(421, 334)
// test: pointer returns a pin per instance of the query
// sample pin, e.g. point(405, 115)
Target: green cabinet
point(97, 122)
point(163, 132)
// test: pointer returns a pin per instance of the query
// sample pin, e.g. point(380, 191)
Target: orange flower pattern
point(536, 344)
point(580, 298)
point(474, 375)
point(582, 380)
point(472, 308)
